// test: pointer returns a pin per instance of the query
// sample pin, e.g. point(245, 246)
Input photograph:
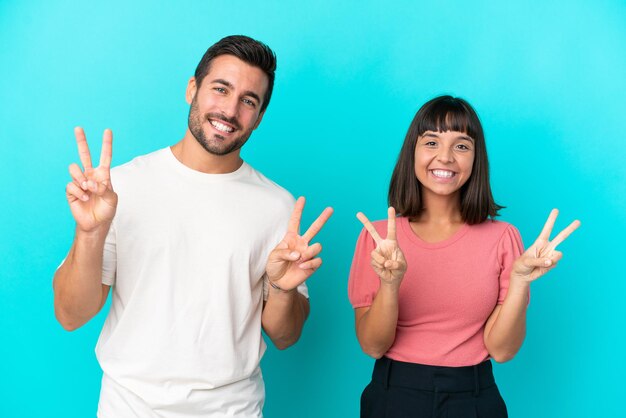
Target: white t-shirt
point(186, 257)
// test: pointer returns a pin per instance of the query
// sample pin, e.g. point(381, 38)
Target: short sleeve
point(109, 257)
point(510, 248)
point(363, 283)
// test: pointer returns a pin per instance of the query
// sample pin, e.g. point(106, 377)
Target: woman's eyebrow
point(466, 138)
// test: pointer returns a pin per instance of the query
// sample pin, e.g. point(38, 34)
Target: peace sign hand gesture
point(542, 256)
point(387, 259)
point(294, 260)
point(90, 193)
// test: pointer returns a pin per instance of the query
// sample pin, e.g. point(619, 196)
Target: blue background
point(548, 79)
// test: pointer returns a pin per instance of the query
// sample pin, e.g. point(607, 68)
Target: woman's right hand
point(387, 258)
point(90, 193)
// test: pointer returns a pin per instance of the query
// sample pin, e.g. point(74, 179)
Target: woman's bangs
point(444, 118)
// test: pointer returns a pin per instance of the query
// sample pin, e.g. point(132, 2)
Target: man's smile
point(222, 127)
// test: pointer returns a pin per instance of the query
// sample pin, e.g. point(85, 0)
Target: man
point(199, 250)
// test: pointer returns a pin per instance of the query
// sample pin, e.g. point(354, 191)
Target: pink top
point(448, 292)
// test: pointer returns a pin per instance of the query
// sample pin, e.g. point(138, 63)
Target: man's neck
point(191, 154)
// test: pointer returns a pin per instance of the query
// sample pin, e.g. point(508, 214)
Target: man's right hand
point(90, 193)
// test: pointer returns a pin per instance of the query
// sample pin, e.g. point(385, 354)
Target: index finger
point(391, 223)
point(318, 224)
point(296, 215)
point(370, 228)
point(564, 234)
point(83, 148)
point(547, 228)
point(107, 149)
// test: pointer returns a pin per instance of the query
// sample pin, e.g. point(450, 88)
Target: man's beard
point(215, 145)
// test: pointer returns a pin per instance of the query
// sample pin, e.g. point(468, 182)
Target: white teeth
point(221, 127)
point(443, 173)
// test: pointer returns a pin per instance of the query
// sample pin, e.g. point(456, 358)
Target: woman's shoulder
point(494, 228)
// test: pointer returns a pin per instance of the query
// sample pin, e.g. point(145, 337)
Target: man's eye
point(219, 89)
point(249, 102)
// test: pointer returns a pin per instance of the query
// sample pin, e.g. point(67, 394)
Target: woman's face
point(443, 161)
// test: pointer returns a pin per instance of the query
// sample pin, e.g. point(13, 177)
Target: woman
point(448, 289)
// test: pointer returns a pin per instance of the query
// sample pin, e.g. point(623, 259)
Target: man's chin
point(220, 147)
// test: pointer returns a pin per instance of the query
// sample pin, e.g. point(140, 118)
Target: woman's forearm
point(376, 325)
point(506, 329)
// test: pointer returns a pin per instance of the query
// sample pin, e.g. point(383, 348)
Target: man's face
point(225, 109)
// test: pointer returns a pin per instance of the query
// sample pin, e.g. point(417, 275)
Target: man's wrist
point(96, 236)
point(279, 289)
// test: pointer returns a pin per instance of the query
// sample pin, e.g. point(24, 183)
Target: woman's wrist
point(392, 285)
point(519, 284)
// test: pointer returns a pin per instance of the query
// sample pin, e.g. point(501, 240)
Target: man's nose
point(230, 106)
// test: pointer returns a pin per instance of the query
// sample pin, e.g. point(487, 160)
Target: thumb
point(108, 184)
point(537, 261)
point(284, 254)
point(105, 191)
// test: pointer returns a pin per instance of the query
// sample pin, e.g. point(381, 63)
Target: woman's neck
point(440, 210)
point(440, 219)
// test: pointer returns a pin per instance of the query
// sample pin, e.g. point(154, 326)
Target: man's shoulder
point(140, 162)
point(271, 188)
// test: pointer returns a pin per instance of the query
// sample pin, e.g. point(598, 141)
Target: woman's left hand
point(542, 256)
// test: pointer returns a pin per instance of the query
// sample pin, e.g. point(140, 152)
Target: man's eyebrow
point(230, 85)
point(253, 95)
point(222, 81)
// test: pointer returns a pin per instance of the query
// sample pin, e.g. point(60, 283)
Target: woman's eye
point(463, 147)
point(431, 144)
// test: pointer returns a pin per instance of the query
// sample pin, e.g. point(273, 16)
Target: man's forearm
point(283, 317)
point(78, 289)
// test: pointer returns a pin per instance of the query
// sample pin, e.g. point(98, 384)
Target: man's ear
point(192, 88)
point(258, 120)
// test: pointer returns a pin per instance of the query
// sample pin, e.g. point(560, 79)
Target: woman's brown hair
point(441, 114)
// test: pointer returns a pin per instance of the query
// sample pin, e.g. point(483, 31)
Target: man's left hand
point(294, 260)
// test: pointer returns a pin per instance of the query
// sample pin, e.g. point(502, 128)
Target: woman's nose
point(445, 155)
